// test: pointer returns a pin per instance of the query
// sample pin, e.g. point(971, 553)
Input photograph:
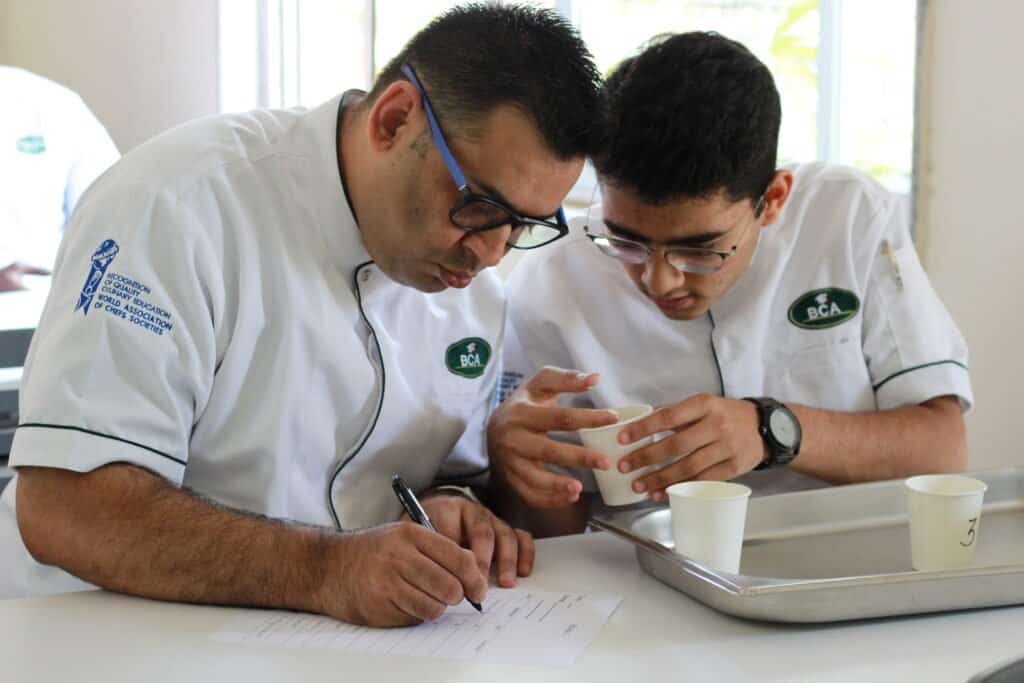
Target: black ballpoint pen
point(413, 508)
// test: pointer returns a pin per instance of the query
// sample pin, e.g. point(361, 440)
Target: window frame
point(275, 77)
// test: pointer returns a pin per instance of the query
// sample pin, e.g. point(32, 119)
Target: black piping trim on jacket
point(105, 436)
point(918, 367)
point(711, 338)
point(380, 401)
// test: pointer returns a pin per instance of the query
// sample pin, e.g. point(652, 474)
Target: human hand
point(719, 438)
point(395, 575)
point(490, 539)
point(12, 276)
point(519, 445)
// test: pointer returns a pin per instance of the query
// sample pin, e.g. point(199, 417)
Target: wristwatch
point(780, 430)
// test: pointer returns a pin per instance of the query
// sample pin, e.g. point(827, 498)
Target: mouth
point(673, 304)
point(456, 279)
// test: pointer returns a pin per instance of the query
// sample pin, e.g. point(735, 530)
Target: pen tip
point(477, 605)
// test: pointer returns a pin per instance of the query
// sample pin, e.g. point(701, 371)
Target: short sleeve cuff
point(81, 450)
point(915, 385)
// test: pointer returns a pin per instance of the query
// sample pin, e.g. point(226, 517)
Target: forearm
point(886, 444)
point(123, 528)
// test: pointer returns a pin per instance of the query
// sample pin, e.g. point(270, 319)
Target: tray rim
point(745, 585)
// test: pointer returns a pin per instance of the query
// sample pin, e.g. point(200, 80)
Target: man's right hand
point(12, 276)
point(126, 529)
point(396, 575)
point(519, 445)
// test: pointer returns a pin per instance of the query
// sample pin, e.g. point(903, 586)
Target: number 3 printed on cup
point(970, 533)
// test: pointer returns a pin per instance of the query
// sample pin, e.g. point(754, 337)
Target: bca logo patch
point(468, 357)
point(823, 308)
point(31, 144)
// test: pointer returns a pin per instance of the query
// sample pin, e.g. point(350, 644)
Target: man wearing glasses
point(259, 319)
point(778, 318)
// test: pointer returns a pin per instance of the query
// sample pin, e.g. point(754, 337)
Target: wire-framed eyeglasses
point(697, 260)
point(474, 212)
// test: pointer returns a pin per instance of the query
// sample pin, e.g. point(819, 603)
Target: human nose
point(660, 277)
point(488, 246)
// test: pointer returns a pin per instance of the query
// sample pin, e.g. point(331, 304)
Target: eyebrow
point(493, 193)
point(692, 240)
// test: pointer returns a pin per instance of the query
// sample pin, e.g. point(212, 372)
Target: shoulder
point(838, 209)
point(55, 107)
point(205, 148)
point(26, 84)
point(822, 187)
point(197, 164)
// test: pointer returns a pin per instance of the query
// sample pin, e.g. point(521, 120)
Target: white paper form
point(516, 625)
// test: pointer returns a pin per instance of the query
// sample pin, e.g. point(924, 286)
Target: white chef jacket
point(216, 319)
point(823, 317)
point(51, 149)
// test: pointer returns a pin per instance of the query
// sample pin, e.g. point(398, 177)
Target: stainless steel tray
point(839, 553)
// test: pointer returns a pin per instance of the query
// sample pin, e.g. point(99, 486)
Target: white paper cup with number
point(945, 515)
point(616, 487)
point(708, 520)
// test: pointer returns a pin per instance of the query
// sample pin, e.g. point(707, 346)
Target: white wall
point(141, 65)
point(972, 214)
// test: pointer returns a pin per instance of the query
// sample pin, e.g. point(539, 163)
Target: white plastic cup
point(708, 519)
point(616, 487)
point(945, 514)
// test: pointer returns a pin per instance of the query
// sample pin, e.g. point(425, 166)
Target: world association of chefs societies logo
point(101, 259)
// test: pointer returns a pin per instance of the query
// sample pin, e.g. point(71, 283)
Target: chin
point(685, 315)
point(430, 285)
point(420, 281)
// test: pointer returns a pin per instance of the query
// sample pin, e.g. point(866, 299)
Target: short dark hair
point(692, 115)
point(477, 56)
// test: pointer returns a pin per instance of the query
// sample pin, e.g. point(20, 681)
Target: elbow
point(948, 443)
point(954, 460)
point(37, 496)
point(954, 447)
point(958, 453)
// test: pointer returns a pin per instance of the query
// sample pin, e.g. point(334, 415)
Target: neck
point(352, 155)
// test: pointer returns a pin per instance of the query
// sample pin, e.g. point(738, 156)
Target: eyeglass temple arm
point(442, 144)
point(435, 129)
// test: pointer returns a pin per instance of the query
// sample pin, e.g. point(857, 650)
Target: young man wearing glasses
point(779, 318)
point(259, 319)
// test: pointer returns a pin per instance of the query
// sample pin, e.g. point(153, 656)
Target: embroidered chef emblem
point(823, 308)
point(31, 144)
point(468, 357)
point(101, 259)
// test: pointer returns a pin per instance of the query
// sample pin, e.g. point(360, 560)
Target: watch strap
point(777, 453)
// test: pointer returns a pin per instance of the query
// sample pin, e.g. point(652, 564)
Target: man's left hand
point(473, 526)
point(719, 438)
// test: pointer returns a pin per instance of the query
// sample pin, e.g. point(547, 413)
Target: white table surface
point(657, 634)
point(21, 310)
point(10, 379)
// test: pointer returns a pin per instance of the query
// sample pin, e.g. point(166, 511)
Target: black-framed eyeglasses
point(684, 259)
point(475, 212)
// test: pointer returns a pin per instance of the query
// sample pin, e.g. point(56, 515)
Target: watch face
point(783, 428)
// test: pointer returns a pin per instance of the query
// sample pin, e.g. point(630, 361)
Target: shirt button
point(365, 276)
